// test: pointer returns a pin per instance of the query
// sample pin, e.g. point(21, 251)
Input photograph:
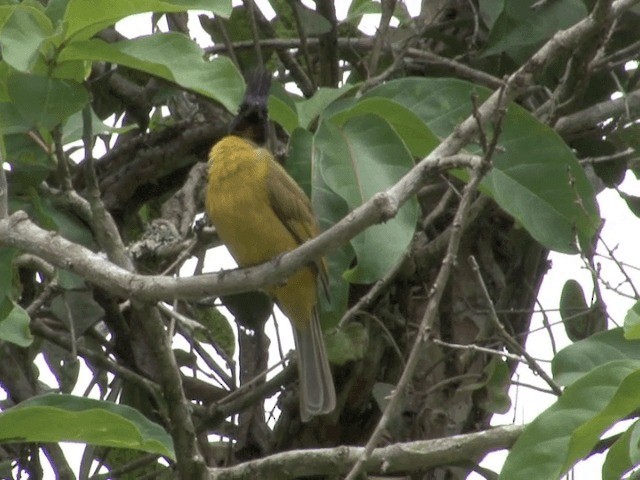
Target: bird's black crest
point(252, 118)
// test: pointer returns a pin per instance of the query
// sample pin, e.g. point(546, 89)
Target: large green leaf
point(537, 179)
point(569, 429)
point(84, 18)
point(329, 208)
point(23, 29)
point(298, 162)
point(618, 461)
point(356, 161)
point(171, 56)
point(413, 131)
point(66, 418)
point(311, 108)
point(519, 28)
point(573, 362)
point(45, 102)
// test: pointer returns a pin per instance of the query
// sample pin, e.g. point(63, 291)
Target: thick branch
point(397, 458)
point(19, 231)
point(590, 117)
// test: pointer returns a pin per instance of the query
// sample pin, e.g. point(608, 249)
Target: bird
point(260, 213)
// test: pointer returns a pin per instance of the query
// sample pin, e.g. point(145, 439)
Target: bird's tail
point(252, 119)
point(317, 392)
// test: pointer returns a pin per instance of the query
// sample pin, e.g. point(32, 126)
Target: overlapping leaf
point(67, 418)
point(537, 179)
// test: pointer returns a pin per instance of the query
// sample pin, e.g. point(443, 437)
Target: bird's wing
point(293, 209)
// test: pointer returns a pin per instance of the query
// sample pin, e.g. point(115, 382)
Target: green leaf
point(634, 444)
point(298, 162)
point(490, 11)
point(283, 113)
point(413, 131)
point(171, 56)
point(572, 301)
point(381, 393)
point(219, 327)
point(497, 398)
point(23, 29)
point(30, 164)
point(329, 208)
point(358, 8)
point(625, 400)
point(537, 178)
point(569, 429)
point(77, 309)
point(633, 202)
point(576, 360)
point(64, 366)
point(73, 127)
point(520, 28)
point(67, 418)
point(364, 157)
point(313, 23)
point(45, 102)
point(14, 324)
point(347, 344)
point(618, 461)
point(580, 320)
point(632, 323)
point(87, 17)
point(55, 9)
point(62, 221)
point(311, 108)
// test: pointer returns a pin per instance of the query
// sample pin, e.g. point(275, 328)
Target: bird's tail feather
point(317, 392)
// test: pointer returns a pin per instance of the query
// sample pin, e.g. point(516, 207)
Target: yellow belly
point(237, 203)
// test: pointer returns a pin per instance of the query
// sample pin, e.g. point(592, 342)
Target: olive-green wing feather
point(292, 207)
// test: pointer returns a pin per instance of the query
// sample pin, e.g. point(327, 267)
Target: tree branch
point(590, 117)
point(19, 231)
point(397, 458)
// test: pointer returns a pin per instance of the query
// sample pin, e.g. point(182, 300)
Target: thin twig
point(620, 267)
point(387, 333)
point(251, 8)
point(547, 327)
point(104, 227)
point(226, 39)
point(187, 324)
point(388, 6)
point(64, 177)
point(302, 34)
point(365, 302)
point(62, 340)
point(472, 347)
point(424, 332)
point(510, 341)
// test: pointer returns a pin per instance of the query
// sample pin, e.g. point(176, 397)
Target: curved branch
point(19, 231)
point(397, 458)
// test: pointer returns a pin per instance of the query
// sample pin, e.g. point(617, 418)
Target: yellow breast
point(237, 202)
